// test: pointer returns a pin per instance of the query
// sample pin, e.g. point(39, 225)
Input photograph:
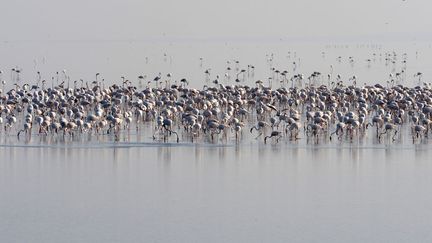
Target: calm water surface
point(202, 193)
point(139, 190)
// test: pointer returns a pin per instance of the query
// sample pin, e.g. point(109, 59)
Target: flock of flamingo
point(287, 106)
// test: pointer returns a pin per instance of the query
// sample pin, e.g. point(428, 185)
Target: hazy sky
point(134, 19)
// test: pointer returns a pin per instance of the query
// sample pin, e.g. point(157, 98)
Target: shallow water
point(138, 190)
point(215, 193)
point(114, 59)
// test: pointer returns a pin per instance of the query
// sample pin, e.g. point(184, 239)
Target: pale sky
point(134, 19)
